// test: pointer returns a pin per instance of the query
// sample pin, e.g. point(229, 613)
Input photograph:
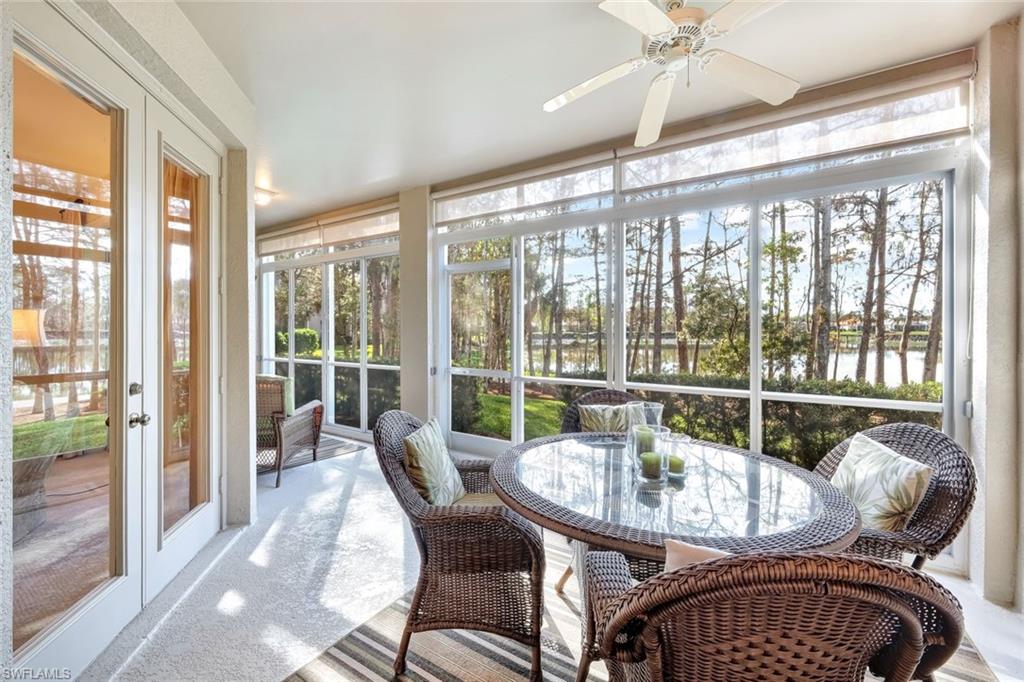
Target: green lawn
point(62, 435)
point(543, 417)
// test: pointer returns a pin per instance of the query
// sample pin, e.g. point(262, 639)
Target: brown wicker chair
point(602, 396)
point(482, 568)
point(571, 424)
point(773, 616)
point(280, 437)
point(945, 506)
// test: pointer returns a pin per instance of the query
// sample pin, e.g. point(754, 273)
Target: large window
point(330, 321)
point(804, 297)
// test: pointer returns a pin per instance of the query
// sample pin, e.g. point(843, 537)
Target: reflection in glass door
point(184, 471)
point(66, 251)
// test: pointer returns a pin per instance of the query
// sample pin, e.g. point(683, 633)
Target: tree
point(678, 298)
point(659, 295)
point(882, 255)
point(922, 243)
point(931, 349)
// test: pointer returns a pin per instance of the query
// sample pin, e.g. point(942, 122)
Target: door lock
point(136, 419)
point(134, 388)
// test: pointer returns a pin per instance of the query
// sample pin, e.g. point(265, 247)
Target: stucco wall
point(6, 292)
point(995, 437)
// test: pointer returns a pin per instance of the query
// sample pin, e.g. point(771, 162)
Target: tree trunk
point(678, 299)
point(825, 295)
point(931, 349)
point(706, 256)
point(883, 200)
point(786, 319)
point(559, 303)
point(597, 299)
point(77, 220)
point(551, 309)
point(867, 319)
point(772, 282)
point(659, 296)
point(908, 323)
point(809, 365)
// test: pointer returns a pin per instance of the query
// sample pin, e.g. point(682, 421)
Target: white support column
point(995, 430)
point(6, 300)
point(415, 283)
point(239, 357)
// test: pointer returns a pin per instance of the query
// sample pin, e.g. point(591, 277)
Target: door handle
point(136, 419)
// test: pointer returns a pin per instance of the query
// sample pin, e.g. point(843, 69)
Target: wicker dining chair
point(281, 436)
point(772, 616)
point(481, 567)
point(945, 506)
point(571, 424)
point(602, 396)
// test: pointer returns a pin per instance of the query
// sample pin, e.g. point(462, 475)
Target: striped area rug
point(368, 652)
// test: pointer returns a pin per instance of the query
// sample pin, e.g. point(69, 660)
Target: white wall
point(415, 299)
point(995, 428)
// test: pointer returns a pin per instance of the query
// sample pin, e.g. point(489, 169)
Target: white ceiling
point(358, 100)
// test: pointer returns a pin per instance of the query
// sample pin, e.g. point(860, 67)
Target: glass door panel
point(66, 248)
point(184, 447)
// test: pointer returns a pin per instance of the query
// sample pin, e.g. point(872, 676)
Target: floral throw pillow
point(885, 486)
point(596, 418)
point(430, 467)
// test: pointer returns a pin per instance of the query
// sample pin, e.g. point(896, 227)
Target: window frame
point(947, 163)
point(325, 261)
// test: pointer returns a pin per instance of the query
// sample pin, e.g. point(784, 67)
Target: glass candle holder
point(644, 445)
point(641, 412)
point(676, 450)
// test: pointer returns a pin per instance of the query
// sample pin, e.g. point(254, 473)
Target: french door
point(181, 504)
point(115, 215)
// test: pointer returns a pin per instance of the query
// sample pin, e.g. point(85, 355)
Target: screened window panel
point(916, 116)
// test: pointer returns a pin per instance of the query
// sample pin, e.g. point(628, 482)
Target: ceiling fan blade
point(735, 14)
point(640, 14)
point(588, 86)
point(745, 75)
point(655, 106)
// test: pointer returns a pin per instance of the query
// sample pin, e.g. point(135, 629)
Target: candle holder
point(644, 445)
point(641, 412)
point(677, 448)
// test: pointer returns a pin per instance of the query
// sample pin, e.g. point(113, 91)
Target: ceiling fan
point(674, 37)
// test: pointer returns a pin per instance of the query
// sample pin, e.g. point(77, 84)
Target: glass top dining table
point(583, 486)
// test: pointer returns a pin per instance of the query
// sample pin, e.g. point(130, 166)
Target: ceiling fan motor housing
point(685, 41)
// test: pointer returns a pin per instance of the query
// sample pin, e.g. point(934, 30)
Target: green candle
point(676, 464)
point(650, 465)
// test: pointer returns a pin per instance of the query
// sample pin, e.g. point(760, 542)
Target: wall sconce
point(262, 197)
